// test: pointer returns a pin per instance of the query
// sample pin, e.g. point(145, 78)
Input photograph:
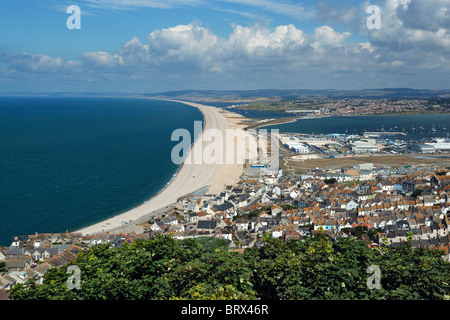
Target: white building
point(363, 166)
point(297, 147)
point(420, 148)
point(364, 147)
point(440, 146)
point(294, 144)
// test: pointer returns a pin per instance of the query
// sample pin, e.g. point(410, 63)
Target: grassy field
point(443, 161)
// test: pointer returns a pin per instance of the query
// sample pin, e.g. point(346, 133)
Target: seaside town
point(348, 106)
point(243, 152)
point(385, 205)
point(374, 186)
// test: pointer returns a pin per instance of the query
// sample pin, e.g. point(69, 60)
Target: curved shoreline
point(189, 177)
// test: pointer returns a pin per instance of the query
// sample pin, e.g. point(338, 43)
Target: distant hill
point(248, 95)
point(384, 93)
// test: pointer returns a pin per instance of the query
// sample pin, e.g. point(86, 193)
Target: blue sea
point(67, 163)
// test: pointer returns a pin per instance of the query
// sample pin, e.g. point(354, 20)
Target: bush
point(165, 268)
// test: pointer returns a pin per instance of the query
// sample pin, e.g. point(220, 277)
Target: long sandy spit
point(190, 178)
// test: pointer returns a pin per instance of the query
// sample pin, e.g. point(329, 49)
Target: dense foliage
point(165, 268)
point(2, 267)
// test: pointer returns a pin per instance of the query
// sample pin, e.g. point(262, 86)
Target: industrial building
point(420, 148)
point(362, 146)
point(298, 147)
point(363, 166)
point(294, 144)
point(440, 146)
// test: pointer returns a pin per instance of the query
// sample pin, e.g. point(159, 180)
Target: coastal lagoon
point(70, 162)
point(414, 127)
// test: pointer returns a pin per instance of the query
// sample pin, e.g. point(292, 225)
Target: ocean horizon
point(68, 163)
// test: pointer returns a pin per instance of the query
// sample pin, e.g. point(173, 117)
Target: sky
point(149, 46)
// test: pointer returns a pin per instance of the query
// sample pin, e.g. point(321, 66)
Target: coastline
point(189, 177)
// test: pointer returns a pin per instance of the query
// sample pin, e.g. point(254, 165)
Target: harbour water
point(405, 127)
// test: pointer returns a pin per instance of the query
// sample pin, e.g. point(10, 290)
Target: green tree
point(2, 267)
point(416, 193)
point(330, 181)
point(314, 268)
point(211, 244)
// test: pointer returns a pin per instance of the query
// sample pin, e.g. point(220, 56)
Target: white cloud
point(134, 53)
point(127, 4)
point(414, 34)
point(260, 41)
point(102, 59)
point(187, 56)
point(425, 14)
point(187, 40)
point(326, 37)
point(28, 62)
point(188, 48)
point(288, 8)
point(343, 13)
